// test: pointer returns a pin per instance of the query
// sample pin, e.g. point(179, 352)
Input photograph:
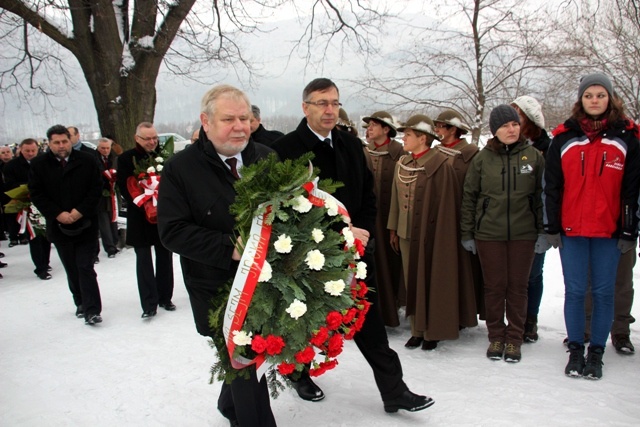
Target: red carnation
point(348, 317)
point(349, 335)
point(322, 368)
point(363, 289)
point(366, 305)
point(335, 345)
point(306, 355)
point(359, 247)
point(286, 368)
point(275, 344)
point(320, 337)
point(334, 320)
point(258, 344)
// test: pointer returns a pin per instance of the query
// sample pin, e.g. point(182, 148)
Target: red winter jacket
point(591, 186)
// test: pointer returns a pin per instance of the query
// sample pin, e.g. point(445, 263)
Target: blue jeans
point(534, 290)
point(600, 256)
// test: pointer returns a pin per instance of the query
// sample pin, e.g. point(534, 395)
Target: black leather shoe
point(92, 319)
point(148, 314)
point(24, 241)
point(409, 402)
point(414, 342)
point(79, 312)
point(429, 345)
point(13, 243)
point(307, 389)
point(3, 264)
point(169, 306)
point(44, 276)
point(1, 255)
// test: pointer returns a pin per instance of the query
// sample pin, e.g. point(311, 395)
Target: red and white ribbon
point(110, 174)
point(150, 190)
point(317, 198)
point(25, 224)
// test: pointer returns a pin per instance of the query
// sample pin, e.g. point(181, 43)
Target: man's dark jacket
point(140, 232)
point(266, 137)
point(194, 221)
point(16, 172)
point(55, 189)
point(346, 164)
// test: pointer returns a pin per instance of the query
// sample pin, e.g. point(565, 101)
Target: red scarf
point(383, 144)
point(452, 144)
point(592, 128)
point(416, 156)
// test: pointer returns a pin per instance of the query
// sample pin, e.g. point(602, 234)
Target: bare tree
point(483, 53)
point(121, 44)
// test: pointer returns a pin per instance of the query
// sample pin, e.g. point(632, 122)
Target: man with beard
point(340, 157)
point(194, 221)
point(65, 186)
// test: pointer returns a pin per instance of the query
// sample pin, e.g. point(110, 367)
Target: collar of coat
point(572, 125)
point(431, 162)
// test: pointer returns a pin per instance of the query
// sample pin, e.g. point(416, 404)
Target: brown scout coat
point(432, 288)
point(471, 282)
point(389, 275)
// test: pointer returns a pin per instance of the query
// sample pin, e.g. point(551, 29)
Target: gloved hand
point(554, 240)
point(469, 245)
point(542, 244)
point(626, 245)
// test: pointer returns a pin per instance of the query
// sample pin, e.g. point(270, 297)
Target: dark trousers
point(108, 232)
point(373, 343)
point(77, 260)
point(534, 291)
point(154, 288)
point(13, 228)
point(40, 249)
point(506, 266)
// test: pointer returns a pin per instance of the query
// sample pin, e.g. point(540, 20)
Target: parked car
point(90, 145)
point(179, 142)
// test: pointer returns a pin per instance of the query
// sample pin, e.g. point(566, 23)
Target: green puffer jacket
point(502, 193)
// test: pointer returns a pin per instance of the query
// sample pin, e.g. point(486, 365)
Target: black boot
point(531, 329)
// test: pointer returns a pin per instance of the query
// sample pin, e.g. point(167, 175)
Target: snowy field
point(56, 371)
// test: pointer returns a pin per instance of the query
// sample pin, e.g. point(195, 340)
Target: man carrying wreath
point(156, 289)
point(194, 221)
point(339, 157)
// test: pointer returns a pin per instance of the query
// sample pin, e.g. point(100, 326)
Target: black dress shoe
point(79, 312)
point(307, 389)
point(148, 314)
point(24, 241)
point(44, 276)
point(13, 243)
point(1, 255)
point(92, 319)
point(409, 402)
point(3, 264)
point(429, 345)
point(414, 342)
point(169, 306)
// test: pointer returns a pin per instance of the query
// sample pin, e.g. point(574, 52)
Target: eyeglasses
point(148, 138)
point(442, 126)
point(324, 104)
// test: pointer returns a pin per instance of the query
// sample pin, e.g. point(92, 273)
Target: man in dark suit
point(65, 186)
point(194, 221)
point(16, 173)
point(339, 156)
point(258, 132)
point(108, 205)
point(156, 289)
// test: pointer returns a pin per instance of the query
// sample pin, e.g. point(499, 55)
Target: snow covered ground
point(56, 371)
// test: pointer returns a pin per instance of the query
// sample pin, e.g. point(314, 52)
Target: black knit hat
point(500, 115)
point(595, 79)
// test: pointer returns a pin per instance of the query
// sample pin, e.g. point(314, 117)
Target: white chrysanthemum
point(317, 235)
point(361, 270)
point(348, 236)
point(301, 204)
point(315, 259)
point(265, 273)
point(159, 168)
point(283, 244)
point(332, 207)
point(296, 309)
point(334, 287)
point(241, 338)
point(151, 169)
point(159, 159)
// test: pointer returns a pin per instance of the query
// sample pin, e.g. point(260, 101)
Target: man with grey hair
point(194, 221)
point(156, 289)
point(258, 132)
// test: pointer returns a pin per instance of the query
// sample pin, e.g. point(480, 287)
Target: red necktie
point(232, 162)
point(63, 162)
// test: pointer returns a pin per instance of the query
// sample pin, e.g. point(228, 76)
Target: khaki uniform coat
point(432, 287)
point(471, 282)
point(388, 263)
